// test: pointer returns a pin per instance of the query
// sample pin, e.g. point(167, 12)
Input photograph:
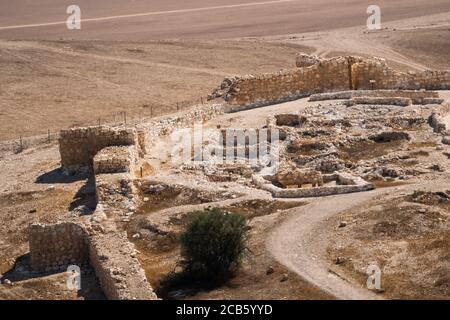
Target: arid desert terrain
point(138, 71)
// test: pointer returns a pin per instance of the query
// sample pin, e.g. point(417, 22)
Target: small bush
point(213, 244)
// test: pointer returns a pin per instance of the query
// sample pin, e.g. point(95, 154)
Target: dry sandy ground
point(415, 43)
point(53, 85)
point(49, 81)
point(405, 232)
point(199, 19)
point(49, 85)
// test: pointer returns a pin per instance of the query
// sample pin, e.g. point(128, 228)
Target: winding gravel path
point(299, 245)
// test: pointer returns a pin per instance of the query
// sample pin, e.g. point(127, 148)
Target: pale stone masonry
point(346, 183)
point(57, 246)
point(115, 159)
point(323, 75)
point(79, 146)
point(112, 155)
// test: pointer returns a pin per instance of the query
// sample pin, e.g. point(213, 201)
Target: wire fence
point(147, 113)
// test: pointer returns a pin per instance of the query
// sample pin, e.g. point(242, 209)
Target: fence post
point(125, 117)
point(21, 143)
point(48, 135)
point(151, 111)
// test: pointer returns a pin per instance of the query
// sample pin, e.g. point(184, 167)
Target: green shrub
point(213, 244)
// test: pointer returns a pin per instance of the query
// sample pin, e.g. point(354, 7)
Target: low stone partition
point(340, 95)
point(417, 97)
point(402, 102)
point(346, 184)
point(78, 146)
point(439, 123)
point(54, 247)
point(120, 275)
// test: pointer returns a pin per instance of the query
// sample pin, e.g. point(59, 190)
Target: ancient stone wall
point(391, 101)
point(55, 247)
point(377, 74)
point(256, 91)
point(113, 258)
point(417, 97)
point(166, 125)
point(347, 184)
point(79, 146)
point(95, 239)
point(115, 160)
point(335, 74)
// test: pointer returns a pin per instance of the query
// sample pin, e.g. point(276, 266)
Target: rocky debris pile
point(288, 119)
point(430, 198)
point(303, 60)
point(225, 90)
point(288, 176)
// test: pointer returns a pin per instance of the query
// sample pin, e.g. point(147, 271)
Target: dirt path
point(300, 242)
point(295, 244)
point(357, 40)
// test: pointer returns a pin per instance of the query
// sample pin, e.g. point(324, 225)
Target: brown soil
point(429, 49)
point(386, 184)
point(251, 281)
point(52, 287)
point(366, 149)
point(87, 82)
point(22, 209)
point(401, 238)
point(256, 208)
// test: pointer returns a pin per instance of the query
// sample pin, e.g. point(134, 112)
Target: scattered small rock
point(343, 224)
point(136, 236)
point(284, 278)
point(32, 211)
point(270, 270)
point(436, 167)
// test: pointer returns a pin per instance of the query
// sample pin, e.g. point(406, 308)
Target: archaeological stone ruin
point(358, 110)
